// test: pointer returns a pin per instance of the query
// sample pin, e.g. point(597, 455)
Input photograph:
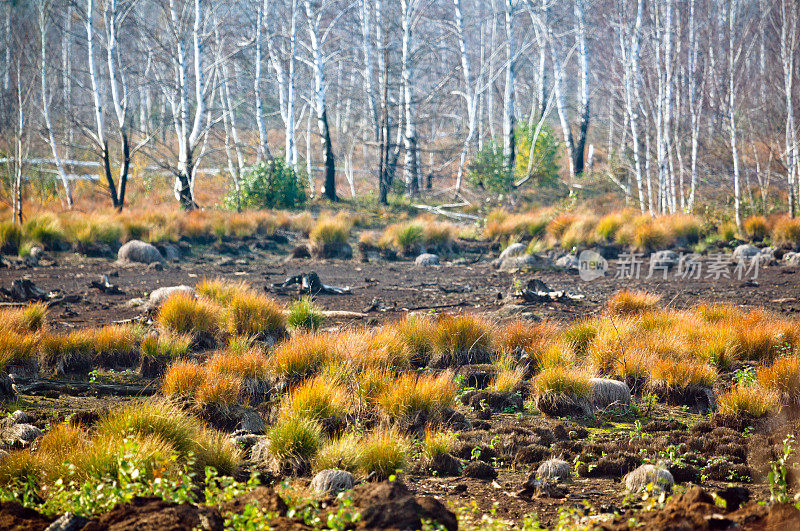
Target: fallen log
point(39, 386)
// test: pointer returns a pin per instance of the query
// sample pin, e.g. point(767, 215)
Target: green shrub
point(544, 170)
point(305, 315)
point(488, 169)
point(274, 184)
point(10, 237)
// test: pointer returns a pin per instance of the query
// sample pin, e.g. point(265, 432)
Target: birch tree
point(412, 173)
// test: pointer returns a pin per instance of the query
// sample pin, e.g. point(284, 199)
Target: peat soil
point(386, 290)
point(512, 443)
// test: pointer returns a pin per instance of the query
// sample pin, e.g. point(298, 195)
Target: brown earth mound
point(15, 516)
point(155, 514)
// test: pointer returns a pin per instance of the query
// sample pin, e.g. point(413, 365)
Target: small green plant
point(273, 184)
point(779, 472)
point(305, 315)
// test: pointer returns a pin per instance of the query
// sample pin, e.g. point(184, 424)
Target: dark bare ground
point(466, 283)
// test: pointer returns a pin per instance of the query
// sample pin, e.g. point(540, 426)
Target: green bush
point(488, 167)
point(10, 237)
point(273, 184)
point(545, 154)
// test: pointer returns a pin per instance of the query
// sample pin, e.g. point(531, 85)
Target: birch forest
point(665, 103)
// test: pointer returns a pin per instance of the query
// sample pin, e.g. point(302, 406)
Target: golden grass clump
point(678, 374)
point(317, 399)
point(342, 453)
point(464, 335)
point(756, 228)
point(251, 364)
point(580, 233)
point(782, 376)
point(715, 312)
point(183, 378)
point(502, 225)
point(610, 343)
point(628, 302)
point(384, 452)
point(295, 438)
point(114, 344)
point(634, 366)
point(580, 335)
point(410, 393)
point(751, 401)
point(651, 236)
point(716, 344)
point(786, 232)
point(16, 348)
point(387, 347)
point(530, 337)
point(184, 314)
point(166, 344)
point(506, 380)
point(222, 291)
point(558, 380)
point(608, 226)
point(250, 314)
point(27, 320)
point(559, 225)
point(302, 355)
point(220, 389)
point(683, 228)
point(330, 230)
point(418, 333)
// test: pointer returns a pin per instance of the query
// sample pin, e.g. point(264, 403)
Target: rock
point(138, 251)
point(68, 522)
point(245, 441)
point(479, 470)
point(20, 417)
point(251, 422)
point(152, 513)
point(515, 249)
point(645, 475)
point(158, 296)
point(332, 481)
point(553, 469)
point(19, 435)
point(663, 260)
point(390, 505)
point(745, 252)
point(333, 250)
point(607, 393)
point(792, 258)
point(766, 256)
point(568, 261)
point(260, 453)
point(526, 261)
point(426, 260)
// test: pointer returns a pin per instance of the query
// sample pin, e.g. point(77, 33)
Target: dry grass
point(183, 378)
point(530, 337)
point(221, 290)
point(502, 225)
point(608, 226)
point(582, 232)
point(342, 453)
point(506, 380)
point(330, 230)
point(756, 228)
point(418, 333)
point(628, 302)
point(557, 380)
point(302, 355)
point(114, 344)
point(410, 393)
point(716, 312)
point(251, 364)
point(679, 374)
point(387, 347)
point(783, 377)
point(464, 334)
point(250, 314)
point(30, 319)
point(219, 389)
point(786, 232)
point(384, 452)
point(295, 438)
point(319, 400)
point(16, 348)
point(184, 314)
point(751, 401)
point(166, 344)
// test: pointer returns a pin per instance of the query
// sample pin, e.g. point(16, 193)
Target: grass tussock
point(182, 379)
point(410, 393)
point(319, 400)
point(419, 334)
point(384, 452)
point(17, 349)
point(295, 438)
point(786, 232)
point(302, 355)
point(506, 380)
point(250, 314)
point(783, 377)
point(342, 453)
point(464, 334)
point(558, 380)
point(628, 302)
point(680, 374)
point(221, 389)
point(251, 364)
point(329, 230)
point(27, 320)
point(305, 315)
point(184, 314)
point(167, 344)
point(756, 228)
point(751, 401)
point(221, 290)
